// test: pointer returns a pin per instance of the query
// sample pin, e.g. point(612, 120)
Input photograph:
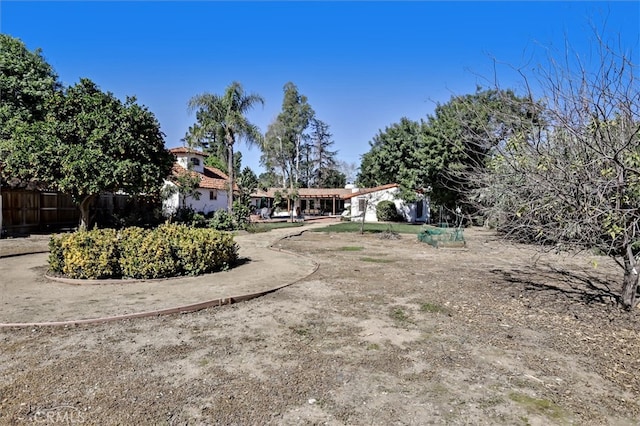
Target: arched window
point(195, 161)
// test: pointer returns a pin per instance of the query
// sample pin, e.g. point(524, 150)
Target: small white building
point(212, 189)
point(365, 201)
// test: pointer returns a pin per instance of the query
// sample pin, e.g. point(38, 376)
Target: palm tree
point(224, 116)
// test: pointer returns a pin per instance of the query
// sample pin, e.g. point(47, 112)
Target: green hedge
point(386, 211)
point(167, 251)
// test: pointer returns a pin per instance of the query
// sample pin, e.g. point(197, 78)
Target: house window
point(213, 195)
point(361, 204)
point(195, 161)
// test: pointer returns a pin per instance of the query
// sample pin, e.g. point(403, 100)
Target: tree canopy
point(27, 82)
point(436, 154)
point(285, 138)
point(396, 157)
point(89, 142)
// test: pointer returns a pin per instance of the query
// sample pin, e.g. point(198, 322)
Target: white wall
point(171, 204)
point(410, 210)
point(203, 205)
point(185, 160)
point(407, 210)
point(374, 198)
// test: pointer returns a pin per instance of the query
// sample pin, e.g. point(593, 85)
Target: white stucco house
point(212, 188)
point(349, 202)
point(367, 199)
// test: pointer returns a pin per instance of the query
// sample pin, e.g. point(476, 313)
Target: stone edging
point(180, 309)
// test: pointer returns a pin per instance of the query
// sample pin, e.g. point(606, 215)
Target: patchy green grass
point(300, 331)
point(433, 308)
point(376, 260)
point(372, 228)
point(399, 315)
point(538, 406)
point(373, 347)
point(350, 248)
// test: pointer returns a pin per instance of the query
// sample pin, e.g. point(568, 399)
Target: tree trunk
point(630, 286)
point(230, 167)
point(292, 202)
point(85, 212)
point(364, 215)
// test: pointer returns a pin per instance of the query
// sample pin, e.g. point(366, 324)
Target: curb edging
point(185, 309)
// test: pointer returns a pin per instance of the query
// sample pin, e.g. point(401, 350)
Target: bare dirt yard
point(386, 332)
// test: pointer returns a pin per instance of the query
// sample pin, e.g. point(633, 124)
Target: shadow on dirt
point(579, 287)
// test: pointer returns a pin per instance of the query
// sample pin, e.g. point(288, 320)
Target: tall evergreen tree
point(323, 160)
point(285, 138)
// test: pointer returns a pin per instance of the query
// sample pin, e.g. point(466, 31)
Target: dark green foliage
point(386, 211)
point(248, 183)
point(463, 134)
point(286, 140)
point(240, 215)
point(440, 152)
point(222, 221)
point(56, 254)
point(169, 250)
point(27, 83)
point(332, 178)
point(188, 216)
point(89, 142)
point(394, 158)
point(217, 162)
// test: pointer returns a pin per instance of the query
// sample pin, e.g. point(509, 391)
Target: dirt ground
point(386, 332)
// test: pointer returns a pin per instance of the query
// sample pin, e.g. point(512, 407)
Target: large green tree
point(322, 159)
point(285, 139)
point(224, 117)
point(89, 142)
point(27, 82)
point(438, 153)
point(247, 183)
point(395, 157)
point(464, 132)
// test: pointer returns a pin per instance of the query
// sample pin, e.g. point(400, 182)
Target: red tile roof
point(364, 191)
point(185, 150)
point(212, 178)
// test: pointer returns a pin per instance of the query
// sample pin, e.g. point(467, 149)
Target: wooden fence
point(26, 212)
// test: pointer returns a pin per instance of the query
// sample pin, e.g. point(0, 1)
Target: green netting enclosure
point(442, 237)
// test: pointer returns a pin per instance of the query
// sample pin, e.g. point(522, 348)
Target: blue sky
point(362, 65)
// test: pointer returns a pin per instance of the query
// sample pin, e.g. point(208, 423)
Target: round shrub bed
point(167, 251)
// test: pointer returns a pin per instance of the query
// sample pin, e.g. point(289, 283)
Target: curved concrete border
point(179, 309)
point(6, 256)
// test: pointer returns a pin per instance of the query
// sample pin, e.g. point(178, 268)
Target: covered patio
point(310, 201)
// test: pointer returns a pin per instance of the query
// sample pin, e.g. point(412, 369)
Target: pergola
point(312, 201)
